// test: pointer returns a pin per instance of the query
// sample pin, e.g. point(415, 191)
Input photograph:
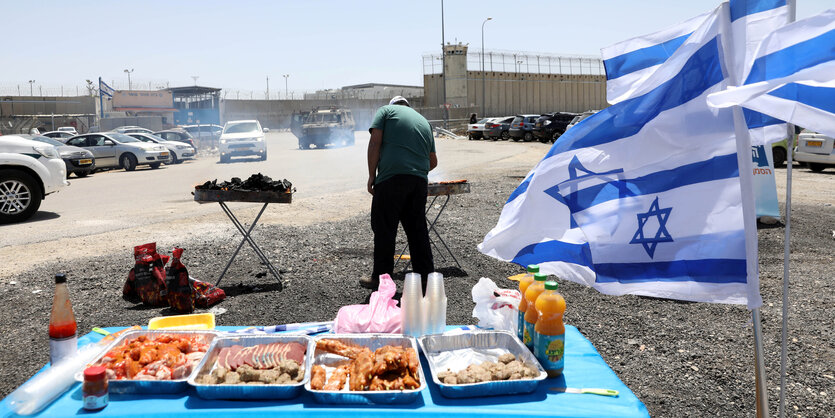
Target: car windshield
point(49, 141)
point(122, 138)
point(323, 118)
point(485, 120)
point(240, 128)
point(517, 120)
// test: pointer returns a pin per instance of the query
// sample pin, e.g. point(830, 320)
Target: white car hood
point(144, 146)
point(244, 135)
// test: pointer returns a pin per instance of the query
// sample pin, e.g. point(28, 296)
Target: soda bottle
point(62, 326)
point(531, 293)
point(526, 281)
point(549, 332)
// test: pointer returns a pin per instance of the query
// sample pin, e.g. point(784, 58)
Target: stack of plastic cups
point(435, 303)
point(411, 306)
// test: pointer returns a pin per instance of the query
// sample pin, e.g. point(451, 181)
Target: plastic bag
point(146, 280)
point(206, 294)
point(494, 307)
point(180, 292)
point(380, 315)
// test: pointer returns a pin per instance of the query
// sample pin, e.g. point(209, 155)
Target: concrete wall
point(276, 114)
point(508, 93)
point(46, 105)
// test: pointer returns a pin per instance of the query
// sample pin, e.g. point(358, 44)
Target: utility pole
point(128, 72)
point(483, 74)
point(195, 77)
point(268, 87)
point(286, 76)
point(443, 68)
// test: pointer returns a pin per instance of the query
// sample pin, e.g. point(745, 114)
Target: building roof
point(192, 90)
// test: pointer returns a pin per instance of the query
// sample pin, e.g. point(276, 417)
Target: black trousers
point(400, 199)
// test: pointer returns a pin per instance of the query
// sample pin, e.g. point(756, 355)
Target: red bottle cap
point(95, 373)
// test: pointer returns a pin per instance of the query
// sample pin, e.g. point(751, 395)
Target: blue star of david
point(660, 236)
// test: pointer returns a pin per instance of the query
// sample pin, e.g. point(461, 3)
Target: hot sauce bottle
point(62, 326)
point(94, 389)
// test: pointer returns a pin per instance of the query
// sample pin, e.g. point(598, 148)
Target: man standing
point(401, 153)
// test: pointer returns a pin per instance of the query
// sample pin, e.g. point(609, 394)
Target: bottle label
point(520, 326)
point(62, 347)
point(550, 351)
point(528, 337)
point(96, 402)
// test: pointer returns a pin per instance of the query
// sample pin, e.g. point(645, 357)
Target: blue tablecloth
point(584, 368)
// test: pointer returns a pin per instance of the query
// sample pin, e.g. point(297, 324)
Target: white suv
point(29, 170)
point(816, 150)
point(242, 137)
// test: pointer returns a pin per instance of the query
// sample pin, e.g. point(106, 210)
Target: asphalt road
point(114, 210)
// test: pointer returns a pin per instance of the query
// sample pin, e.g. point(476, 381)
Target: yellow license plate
point(164, 154)
point(814, 143)
point(85, 162)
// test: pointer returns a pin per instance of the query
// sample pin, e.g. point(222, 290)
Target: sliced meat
point(295, 351)
point(223, 358)
point(231, 356)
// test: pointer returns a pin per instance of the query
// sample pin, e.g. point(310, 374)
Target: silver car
point(179, 151)
point(115, 150)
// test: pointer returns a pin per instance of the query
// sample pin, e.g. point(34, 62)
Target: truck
point(323, 126)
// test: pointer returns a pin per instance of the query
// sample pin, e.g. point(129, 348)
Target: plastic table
point(584, 368)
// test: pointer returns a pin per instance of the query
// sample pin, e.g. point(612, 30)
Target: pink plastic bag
point(380, 315)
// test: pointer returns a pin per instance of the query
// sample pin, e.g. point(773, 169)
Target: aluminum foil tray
point(448, 188)
point(149, 386)
point(456, 352)
point(372, 341)
point(243, 391)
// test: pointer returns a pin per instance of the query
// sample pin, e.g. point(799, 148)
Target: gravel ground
point(680, 359)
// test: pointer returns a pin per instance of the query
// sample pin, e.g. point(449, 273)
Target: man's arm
point(433, 161)
point(374, 156)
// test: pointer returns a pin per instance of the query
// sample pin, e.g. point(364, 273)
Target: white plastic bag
point(495, 308)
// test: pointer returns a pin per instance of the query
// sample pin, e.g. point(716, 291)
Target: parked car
point(176, 134)
point(59, 135)
point(70, 129)
point(132, 130)
point(29, 171)
point(577, 119)
point(522, 127)
point(476, 130)
point(179, 151)
point(115, 150)
point(210, 132)
point(242, 137)
point(550, 126)
point(79, 161)
point(498, 128)
point(815, 150)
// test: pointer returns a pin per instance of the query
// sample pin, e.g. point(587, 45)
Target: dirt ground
point(680, 359)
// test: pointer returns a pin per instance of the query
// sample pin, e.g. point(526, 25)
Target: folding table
point(436, 190)
point(265, 197)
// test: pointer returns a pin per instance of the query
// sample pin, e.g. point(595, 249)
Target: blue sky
point(321, 44)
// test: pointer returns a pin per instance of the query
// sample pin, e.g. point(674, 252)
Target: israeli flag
point(105, 89)
point(648, 196)
point(792, 76)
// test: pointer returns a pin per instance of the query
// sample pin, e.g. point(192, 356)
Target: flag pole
point(791, 6)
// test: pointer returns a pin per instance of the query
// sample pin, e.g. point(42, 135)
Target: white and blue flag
point(792, 75)
point(105, 89)
point(651, 196)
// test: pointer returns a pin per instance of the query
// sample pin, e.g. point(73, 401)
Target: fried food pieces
point(317, 377)
point(387, 368)
point(155, 357)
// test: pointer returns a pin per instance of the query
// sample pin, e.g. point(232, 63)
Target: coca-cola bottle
point(63, 341)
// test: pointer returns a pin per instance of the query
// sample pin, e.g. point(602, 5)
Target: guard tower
point(456, 74)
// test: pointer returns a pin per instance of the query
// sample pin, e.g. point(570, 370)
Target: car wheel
point(82, 173)
point(20, 197)
point(556, 136)
point(155, 166)
point(528, 137)
point(779, 156)
point(505, 135)
point(174, 159)
point(128, 162)
point(816, 167)
point(471, 137)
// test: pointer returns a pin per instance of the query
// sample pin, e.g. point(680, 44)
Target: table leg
point(432, 228)
point(248, 239)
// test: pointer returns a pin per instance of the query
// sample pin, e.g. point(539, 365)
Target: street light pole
point(483, 75)
point(128, 73)
point(443, 68)
point(286, 76)
point(31, 82)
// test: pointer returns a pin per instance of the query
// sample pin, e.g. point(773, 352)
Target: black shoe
point(369, 283)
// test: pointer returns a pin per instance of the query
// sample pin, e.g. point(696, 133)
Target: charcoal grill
point(444, 189)
point(265, 197)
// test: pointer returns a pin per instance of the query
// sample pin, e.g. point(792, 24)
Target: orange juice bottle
point(523, 305)
point(549, 332)
point(531, 293)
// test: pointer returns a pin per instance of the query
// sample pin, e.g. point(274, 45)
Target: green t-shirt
point(407, 142)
